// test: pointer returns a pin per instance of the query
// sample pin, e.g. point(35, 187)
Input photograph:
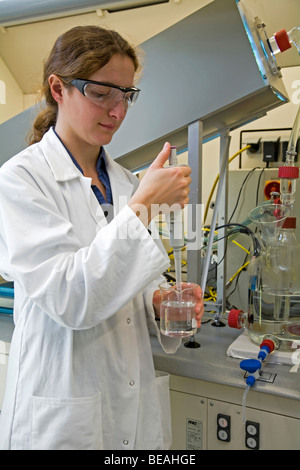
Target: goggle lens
point(107, 97)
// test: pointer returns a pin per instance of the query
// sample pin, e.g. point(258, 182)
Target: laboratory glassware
point(274, 281)
point(283, 40)
point(177, 308)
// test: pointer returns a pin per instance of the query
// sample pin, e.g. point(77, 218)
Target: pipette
point(176, 228)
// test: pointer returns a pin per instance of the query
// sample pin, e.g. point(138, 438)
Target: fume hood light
point(264, 44)
point(19, 12)
point(256, 31)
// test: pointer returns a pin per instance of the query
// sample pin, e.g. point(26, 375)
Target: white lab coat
point(81, 372)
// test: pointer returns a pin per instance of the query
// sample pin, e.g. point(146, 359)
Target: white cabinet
point(189, 421)
point(207, 416)
point(262, 430)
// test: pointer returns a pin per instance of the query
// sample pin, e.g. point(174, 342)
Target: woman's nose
point(119, 109)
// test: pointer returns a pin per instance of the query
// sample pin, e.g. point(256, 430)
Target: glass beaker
point(177, 309)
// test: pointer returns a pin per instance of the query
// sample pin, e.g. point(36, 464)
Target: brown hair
point(78, 53)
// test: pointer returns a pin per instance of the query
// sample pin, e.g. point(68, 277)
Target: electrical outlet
point(270, 150)
point(252, 435)
point(268, 145)
point(223, 427)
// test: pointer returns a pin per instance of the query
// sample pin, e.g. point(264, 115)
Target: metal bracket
point(264, 43)
point(264, 376)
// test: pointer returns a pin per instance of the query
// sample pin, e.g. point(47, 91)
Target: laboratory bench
point(207, 388)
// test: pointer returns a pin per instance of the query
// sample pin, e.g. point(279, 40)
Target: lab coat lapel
point(92, 202)
point(64, 170)
point(122, 189)
point(121, 192)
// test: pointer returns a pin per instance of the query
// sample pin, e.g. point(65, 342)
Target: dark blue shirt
point(102, 175)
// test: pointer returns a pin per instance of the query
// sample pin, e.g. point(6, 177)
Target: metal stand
point(195, 137)
point(218, 323)
point(192, 343)
point(195, 131)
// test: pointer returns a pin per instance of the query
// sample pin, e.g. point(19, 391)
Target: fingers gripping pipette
point(175, 224)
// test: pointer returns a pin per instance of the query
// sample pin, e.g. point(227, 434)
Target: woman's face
point(89, 122)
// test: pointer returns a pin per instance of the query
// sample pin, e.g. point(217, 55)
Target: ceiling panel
point(25, 47)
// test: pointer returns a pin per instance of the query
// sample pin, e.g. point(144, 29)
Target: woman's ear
point(56, 87)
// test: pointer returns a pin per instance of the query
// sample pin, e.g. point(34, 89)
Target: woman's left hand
point(199, 307)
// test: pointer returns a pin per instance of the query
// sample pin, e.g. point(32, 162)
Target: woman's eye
point(97, 95)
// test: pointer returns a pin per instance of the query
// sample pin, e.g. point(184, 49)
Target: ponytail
point(44, 120)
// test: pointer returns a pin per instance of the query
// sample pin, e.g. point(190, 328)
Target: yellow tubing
point(217, 179)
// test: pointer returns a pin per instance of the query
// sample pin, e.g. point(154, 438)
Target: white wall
point(283, 116)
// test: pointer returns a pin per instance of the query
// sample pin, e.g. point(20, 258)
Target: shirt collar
point(101, 161)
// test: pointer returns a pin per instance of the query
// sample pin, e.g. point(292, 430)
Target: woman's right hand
point(161, 188)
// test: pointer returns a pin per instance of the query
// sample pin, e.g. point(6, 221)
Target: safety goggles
point(105, 94)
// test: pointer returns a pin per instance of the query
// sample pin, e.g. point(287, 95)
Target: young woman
point(74, 239)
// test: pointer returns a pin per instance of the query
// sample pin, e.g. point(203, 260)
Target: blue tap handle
point(250, 365)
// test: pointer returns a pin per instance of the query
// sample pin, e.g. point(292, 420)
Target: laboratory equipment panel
point(209, 416)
